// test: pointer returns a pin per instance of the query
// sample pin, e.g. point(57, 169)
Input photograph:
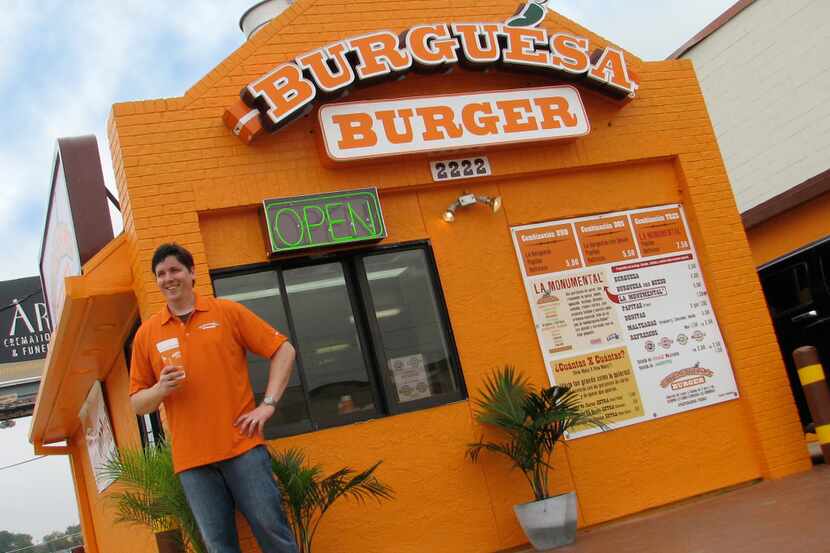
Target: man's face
point(174, 279)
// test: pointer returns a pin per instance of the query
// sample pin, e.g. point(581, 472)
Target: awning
point(99, 311)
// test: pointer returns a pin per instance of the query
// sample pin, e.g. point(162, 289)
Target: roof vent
point(261, 13)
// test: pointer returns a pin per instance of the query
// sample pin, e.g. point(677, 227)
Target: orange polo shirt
point(216, 389)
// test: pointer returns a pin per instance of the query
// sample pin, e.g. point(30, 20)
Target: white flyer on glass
point(411, 379)
point(100, 442)
point(622, 314)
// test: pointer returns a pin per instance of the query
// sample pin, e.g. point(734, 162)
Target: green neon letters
point(324, 220)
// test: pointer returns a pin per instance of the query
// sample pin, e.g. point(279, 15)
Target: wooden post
point(811, 375)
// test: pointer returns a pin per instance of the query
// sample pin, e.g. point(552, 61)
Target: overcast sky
point(63, 65)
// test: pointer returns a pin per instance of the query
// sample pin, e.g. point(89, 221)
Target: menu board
point(622, 314)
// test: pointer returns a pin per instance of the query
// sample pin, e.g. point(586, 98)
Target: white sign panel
point(360, 130)
point(411, 379)
point(622, 314)
point(60, 256)
point(100, 442)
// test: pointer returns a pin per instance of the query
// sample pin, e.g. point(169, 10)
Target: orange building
point(614, 206)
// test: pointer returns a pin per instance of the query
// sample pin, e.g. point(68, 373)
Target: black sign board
point(24, 322)
point(330, 219)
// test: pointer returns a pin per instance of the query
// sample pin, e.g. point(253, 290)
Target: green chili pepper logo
point(530, 14)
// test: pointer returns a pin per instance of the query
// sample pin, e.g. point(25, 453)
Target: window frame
point(154, 434)
point(367, 328)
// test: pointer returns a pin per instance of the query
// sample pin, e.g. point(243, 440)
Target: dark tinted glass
point(417, 359)
point(331, 354)
point(787, 289)
point(260, 292)
point(824, 256)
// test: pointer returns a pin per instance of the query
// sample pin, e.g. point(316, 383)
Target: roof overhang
point(99, 312)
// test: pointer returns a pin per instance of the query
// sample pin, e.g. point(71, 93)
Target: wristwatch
point(268, 400)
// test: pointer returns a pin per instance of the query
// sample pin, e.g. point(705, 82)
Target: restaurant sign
point(290, 89)
point(78, 222)
point(318, 220)
point(360, 130)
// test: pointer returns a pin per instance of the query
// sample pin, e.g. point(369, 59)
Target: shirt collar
point(200, 305)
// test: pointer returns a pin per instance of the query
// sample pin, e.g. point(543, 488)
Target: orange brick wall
point(183, 176)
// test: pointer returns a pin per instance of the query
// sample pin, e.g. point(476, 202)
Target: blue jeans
point(245, 482)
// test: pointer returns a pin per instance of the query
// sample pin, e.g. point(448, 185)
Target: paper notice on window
point(411, 379)
point(100, 442)
point(622, 314)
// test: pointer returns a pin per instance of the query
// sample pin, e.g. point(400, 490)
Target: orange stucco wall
point(183, 176)
point(791, 230)
point(101, 533)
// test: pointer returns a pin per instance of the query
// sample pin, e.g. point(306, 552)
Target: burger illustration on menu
point(547, 298)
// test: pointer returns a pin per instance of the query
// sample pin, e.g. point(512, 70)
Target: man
point(191, 356)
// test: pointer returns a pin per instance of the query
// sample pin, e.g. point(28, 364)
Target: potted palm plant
point(307, 495)
point(533, 422)
point(149, 493)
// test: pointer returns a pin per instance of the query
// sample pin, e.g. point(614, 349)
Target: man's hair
point(179, 252)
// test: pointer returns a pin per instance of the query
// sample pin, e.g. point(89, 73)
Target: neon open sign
point(324, 220)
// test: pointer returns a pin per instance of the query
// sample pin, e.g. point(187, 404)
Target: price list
point(548, 249)
point(622, 314)
point(606, 239)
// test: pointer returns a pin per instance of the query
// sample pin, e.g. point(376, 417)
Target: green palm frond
point(147, 492)
point(307, 495)
point(534, 422)
point(501, 401)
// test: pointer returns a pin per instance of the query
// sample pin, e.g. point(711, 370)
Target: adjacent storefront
point(26, 331)
point(782, 193)
point(486, 194)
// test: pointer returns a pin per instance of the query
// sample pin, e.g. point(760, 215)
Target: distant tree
point(56, 541)
point(10, 541)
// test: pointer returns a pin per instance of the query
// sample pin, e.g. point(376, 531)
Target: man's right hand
point(171, 377)
point(149, 399)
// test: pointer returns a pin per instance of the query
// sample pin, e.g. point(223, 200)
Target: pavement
point(780, 516)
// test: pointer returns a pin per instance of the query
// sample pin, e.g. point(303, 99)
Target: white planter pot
point(549, 523)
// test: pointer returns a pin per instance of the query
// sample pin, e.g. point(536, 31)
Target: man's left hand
point(254, 421)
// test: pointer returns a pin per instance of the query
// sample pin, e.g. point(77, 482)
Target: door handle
point(812, 314)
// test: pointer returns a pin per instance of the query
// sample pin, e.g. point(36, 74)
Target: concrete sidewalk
point(782, 516)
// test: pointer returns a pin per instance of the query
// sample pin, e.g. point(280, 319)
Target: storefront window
point(371, 333)
point(788, 289)
point(824, 256)
point(260, 292)
point(412, 337)
point(335, 367)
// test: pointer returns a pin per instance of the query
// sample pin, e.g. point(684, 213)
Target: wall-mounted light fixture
point(470, 199)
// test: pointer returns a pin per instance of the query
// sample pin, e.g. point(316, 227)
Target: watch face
point(268, 400)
